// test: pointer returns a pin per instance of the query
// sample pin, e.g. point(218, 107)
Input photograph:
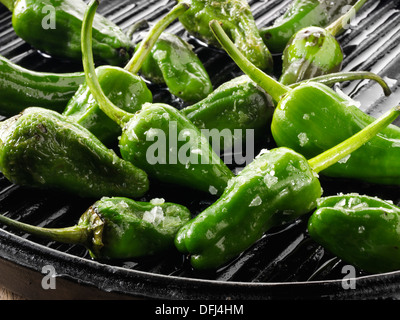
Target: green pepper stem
point(118, 115)
point(332, 78)
point(337, 26)
point(9, 4)
point(342, 150)
point(275, 89)
point(152, 36)
point(72, 235)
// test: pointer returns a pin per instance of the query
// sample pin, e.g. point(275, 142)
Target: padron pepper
point(238, 22)
point(277, 187)
point(118, 228)
point(181, 154)
point(53, 27)
point(43, 149)
point(21, 88)
point(314, 51)
point(301, 14)
point(359, 229)
point(172, 62)
point(122, 86)
point(312, 118)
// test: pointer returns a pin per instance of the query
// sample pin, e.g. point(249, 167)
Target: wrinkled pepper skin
point(301, 14)
point(21, 88)
point(118, 228)
point(311, 52)
point(359, 229)
point(63, 39)
point(41, 148)
point(236, 104)
point(131, 229)
point(313, 118)
point(238, 22)
point(173, 63)
point(277, 187)
point(165, 144)
point(124, 89)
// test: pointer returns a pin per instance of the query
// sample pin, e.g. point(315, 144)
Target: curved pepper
point(22, 88)
point(122, 86)
point(41, 148)
point(278, 186)
point(359, 229)
point(172, 62)
point(118, 228)
point(53, 27)
point(238, 22)
point(312, 118)
point(181, 153)
point(301, 14)
point(314, 51)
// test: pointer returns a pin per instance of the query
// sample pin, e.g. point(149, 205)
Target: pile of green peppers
point(97, 133)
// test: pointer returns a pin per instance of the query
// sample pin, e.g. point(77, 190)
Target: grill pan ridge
point(284, 264)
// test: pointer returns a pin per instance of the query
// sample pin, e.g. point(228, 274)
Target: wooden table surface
point(8, 295)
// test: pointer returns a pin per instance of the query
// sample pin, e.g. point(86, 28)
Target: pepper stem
point(152, 36)
point(338, 25)
point(342, 150)
point(118, 115)
point(332, 78)
point(275, 89)
point(72, 235)
point(9, 4)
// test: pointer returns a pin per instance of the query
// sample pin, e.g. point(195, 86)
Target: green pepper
point(22, 88)
point(181, 153)
point(301, 14)
point(53, 27)
point(122, 86)
point(359, 229)
point(277, 187)
point(314, 51)
point(118, 228)
point(173, 63)
point(41, 148)
point(238, 22)
point(312, 118)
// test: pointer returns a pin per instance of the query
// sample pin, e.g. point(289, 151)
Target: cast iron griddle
point(284, 264)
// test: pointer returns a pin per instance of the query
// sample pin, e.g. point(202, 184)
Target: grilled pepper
point(21, 88)
point(173, 63)
point(277, 187)
point(41, 148)
point(238, 22)
point(118, 228)
point(53, 27)
point(181, 153)
point(122, 86)
point(359, 229)
point(301, 14)
point(312, 118)
point(314, 51)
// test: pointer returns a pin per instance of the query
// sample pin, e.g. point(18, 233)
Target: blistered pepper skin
point(43, 149)
point(310, 53)
point(237, 20)
point(301, 14)
point(361, 230)
point(61, 37)
point(173, 63)
point(236, 104)
point(275, 188)
point(21, 88)
point(165, 144)
point(124, 89)
point(313, 118)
